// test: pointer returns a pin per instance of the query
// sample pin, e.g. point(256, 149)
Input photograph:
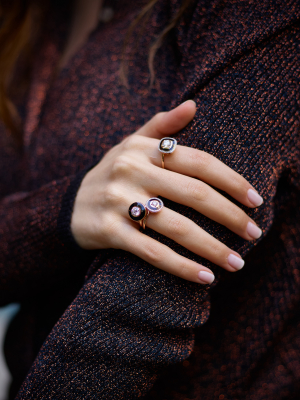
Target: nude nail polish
point(206, 277)
point(253, 230)
point(235, 262)
point(254, 198)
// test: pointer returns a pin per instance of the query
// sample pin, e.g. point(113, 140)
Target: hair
point(145, 14)
point(21, 26)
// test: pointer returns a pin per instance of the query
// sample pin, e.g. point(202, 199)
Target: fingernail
point(253, 230)
point(206, 277)
point(189, 100)
point(255, 198)
point(235, 262)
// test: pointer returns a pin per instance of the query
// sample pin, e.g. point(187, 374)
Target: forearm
point(33, 253)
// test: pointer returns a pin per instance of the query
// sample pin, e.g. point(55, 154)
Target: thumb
point(170, 122)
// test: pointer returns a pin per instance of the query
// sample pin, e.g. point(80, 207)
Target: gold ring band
point(144, 220)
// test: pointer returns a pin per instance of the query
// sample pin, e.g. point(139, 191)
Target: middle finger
point(201, 197)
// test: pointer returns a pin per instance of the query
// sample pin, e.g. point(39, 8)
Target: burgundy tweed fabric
point(120, 324)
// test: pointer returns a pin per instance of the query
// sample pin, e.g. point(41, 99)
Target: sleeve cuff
point(65, 215)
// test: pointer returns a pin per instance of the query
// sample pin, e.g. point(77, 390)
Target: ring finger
point(203, 198)
point(189, 235)
point(162, 257)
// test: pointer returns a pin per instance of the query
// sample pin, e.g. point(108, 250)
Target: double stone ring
point(139, 212)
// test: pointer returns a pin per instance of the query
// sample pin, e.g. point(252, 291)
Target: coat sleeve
point(130, 319)
point(36, 251)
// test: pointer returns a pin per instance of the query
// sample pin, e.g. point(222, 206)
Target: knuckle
point(112, 194)
point(197, 190)
point(130, 142)
point(218, 251)
point(201, 159)
point(238, 217)
point(122, 165)
point(238, 183)
point(177, 227)
point(158, 117)
point(184, 270)
point(154, 254)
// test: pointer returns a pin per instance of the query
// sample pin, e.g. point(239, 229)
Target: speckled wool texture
point(123, 329)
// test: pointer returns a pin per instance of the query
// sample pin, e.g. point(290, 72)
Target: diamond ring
point(153, 205)
point(139, 212)
point(166, 146)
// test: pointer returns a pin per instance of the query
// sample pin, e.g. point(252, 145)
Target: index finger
point(170, 122)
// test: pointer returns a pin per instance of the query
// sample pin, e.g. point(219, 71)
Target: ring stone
point(167, 145)
point(137, 211)
point(154, 204)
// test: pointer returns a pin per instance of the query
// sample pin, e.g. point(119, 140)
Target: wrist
point(65, 216)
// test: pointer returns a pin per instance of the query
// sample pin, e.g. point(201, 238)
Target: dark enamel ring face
point(154, 204)
point(137, 211)
point(167, 145)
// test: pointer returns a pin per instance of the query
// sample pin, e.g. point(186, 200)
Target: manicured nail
point(189, 100)
point(253, 230)
point(206, 277)
point(235, 262)
point(255, 198)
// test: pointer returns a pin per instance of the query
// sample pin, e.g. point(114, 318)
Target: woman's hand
point(131, 172)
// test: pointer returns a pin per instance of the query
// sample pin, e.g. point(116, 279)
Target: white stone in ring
point(167, 145)
point(136, 211)
point(154, 204)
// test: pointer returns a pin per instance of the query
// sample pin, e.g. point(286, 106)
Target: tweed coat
point(105, 324)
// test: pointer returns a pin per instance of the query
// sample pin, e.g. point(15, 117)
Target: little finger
point(164, 258)
point(189, 235)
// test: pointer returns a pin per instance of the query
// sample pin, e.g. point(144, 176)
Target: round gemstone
point(136, 211)
point(154, 204)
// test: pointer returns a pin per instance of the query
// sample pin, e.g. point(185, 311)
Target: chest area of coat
point(88, 108)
